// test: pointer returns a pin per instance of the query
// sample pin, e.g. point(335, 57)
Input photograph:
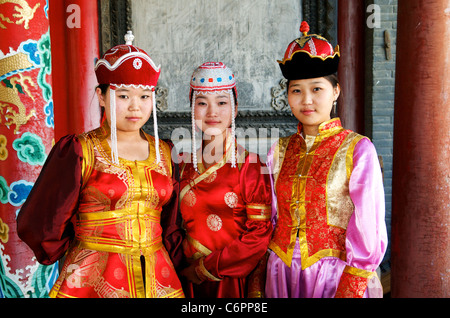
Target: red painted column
point(351, 26)
point(47, 83)
point(420, 256)
point(26, 137)
point(75, 47)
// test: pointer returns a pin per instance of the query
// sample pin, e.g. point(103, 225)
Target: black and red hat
point(309, 56)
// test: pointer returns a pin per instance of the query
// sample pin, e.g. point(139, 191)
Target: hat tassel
point(114, 150)
point(155, 128)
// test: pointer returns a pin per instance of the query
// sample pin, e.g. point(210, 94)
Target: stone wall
point(248, 36)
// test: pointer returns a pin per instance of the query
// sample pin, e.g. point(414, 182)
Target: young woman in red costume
point(225, 197)
point(99, 198)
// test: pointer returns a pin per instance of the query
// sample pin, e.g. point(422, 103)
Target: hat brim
point(302, 65)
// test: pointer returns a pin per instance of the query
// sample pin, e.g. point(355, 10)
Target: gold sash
point(136, 238)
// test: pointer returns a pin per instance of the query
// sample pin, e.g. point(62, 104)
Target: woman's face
point(133, 107)
point(311, 101)
point(213, 113)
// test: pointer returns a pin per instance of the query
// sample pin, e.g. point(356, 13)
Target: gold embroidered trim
point(198, 246)
point(206, 173)
point(298, 207)
point(336, 53)
point(134, 241)
point(278, 157)
point(351, 150)
point(359, 272)
point(202, 272)
point(99, 138)
point(57, 294)
point(258, 217)
point(260, 212)
point(87, 165)
point(258, 206)
point(256, 294)
point(175, 294)
point(339, 205)
point(202, 176)
point(124, 249)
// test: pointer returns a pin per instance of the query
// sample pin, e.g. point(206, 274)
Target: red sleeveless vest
point(312, 193)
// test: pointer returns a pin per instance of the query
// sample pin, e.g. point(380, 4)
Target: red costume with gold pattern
point(107, 217)
point(226, 214)
point(103, 210)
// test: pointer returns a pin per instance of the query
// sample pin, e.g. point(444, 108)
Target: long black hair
point(104, 89)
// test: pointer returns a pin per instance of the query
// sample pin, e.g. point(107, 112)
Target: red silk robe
point(107, 218)
point(226, 213)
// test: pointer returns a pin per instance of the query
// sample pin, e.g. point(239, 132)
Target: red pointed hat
point(309, 56)
point(127, 65)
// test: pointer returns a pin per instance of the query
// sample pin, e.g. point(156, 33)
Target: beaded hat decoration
point(309, 56)
point(212, 78)
point(126, 65)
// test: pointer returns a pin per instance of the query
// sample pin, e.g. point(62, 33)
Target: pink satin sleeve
point(270, 163)
point(366, 240)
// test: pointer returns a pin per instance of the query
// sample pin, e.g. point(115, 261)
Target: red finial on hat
point(304, 28)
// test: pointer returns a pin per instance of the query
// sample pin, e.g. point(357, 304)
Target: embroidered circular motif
point(214, 222)
point(118, 273)
point(137, 63)
point(189, 198)
point(165, 272)
point(111, 193)
point(231, 199)
point(211, 177)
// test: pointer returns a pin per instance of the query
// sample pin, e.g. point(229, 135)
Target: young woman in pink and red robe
point(328, 207)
